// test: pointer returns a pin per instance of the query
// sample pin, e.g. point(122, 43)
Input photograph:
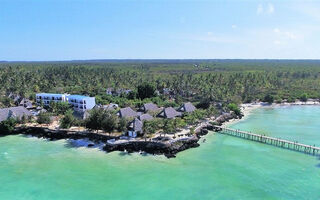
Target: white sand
point(246, 109)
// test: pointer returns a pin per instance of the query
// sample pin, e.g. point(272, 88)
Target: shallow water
point(223, 167)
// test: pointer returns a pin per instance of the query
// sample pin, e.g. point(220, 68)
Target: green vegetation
point(7, 126)
point(59, 107)
point(199, 81)
point(211, 85)
point(304, 97)
point(150, 127)
point(100, 119)
point(146, 90)
point(68, 119)
point(269, 98)
point(233, 107)
point(44, 118)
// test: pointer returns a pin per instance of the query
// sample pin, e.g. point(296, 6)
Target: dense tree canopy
point(199, 80)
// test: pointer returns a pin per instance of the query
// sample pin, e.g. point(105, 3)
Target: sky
point(48, 30)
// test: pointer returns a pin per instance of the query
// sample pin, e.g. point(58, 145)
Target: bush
point(204, 104)
point(100, 119)
point(304, 97)
point(7, 126)
point(291, 100)
point(110, 122)
point(211, 111)
point(233, 107)
point(122, 126)
point(269, 98)
point(146, 90)
point(24, 119)
point(67, 120)
point(44, 118)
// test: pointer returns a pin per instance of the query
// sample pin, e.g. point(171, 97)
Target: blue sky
point(153, 29)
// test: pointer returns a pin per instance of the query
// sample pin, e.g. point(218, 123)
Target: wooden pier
point(295, 146)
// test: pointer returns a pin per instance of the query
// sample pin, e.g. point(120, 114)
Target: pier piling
point(278, 142)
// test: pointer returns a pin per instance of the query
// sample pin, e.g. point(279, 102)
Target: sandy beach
point(247, 108)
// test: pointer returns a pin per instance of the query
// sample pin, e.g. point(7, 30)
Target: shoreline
point(155, 146)
point(247, 108)
point(168, 148)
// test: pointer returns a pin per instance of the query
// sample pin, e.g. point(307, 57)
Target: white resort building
point(81, 103)
point(78, 102)
point(47, 98)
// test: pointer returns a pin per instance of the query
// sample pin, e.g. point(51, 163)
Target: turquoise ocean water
point(223, 167)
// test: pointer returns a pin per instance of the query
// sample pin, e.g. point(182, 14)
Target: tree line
point(219, 81)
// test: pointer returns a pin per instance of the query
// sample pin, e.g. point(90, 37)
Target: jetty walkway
point(295, 146)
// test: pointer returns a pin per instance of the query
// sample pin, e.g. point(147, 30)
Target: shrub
point(269, 98)
point(233, 107)
point(304, 97)
point(67, 120)
point(7, 126)
point(44, 118)
point(146, 90)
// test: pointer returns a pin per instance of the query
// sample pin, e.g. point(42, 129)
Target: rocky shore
point(159, 146)
point(52, 134)
point(168, 148)
point(156, 146)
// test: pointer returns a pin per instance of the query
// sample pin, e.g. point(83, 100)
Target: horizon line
point(159, 59)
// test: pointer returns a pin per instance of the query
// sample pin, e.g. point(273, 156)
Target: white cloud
point(276, 30)
point(211, 37)
point(265, 9)
point(277, 42)
point(270, 9)
point(234, 26)
point(260, 9)
point(285, 34)
point(310, 10)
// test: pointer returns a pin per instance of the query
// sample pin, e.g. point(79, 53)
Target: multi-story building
point(47, 98)
point(81, 103)
point(78, 102)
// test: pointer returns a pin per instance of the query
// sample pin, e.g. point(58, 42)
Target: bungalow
point(166, 91)
point(149, 107)
point(127, 112)
point(16, 99)
point(186, 107)
point(81, 114)
point(118, 92)
point(109, 91)
point(169, 113)
point(14, 112)
point(111, 106)
point(123, 91)
point(26, 103)
point(145, 117)
point(136, 126)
